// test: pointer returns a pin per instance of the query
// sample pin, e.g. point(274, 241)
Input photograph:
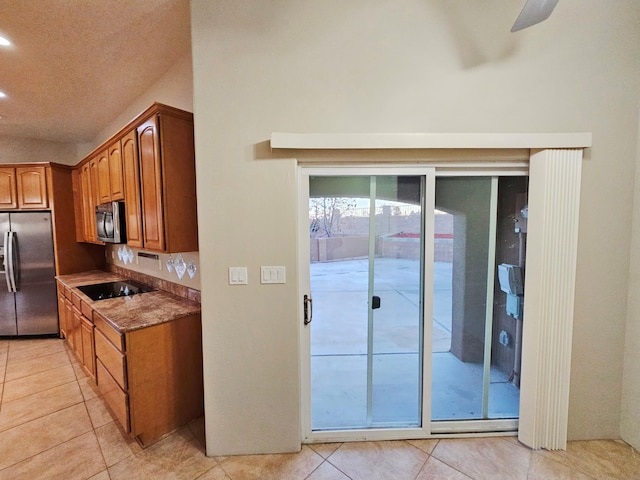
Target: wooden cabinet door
point(132, 189)
point(178, 183)
point(151, 185)
point(71, 324)
point(77, 333)
point(88, 208)
point(8, 188)
point(88, 350)
point(104, 184)
point(93, 198)
point(32, 187)
point(78, 211)
point(115, 171)
point(62, 317)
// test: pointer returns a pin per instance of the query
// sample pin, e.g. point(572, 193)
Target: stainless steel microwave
point(110, 222)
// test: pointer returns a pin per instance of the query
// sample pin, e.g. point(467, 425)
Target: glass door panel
point(475, 366)
point(366, 244)
point(457, 384)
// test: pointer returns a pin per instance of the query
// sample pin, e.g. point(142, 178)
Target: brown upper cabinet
point(23, 187)
point(168, 182)
point(88, 203)
point(8, 193)
point(110, 182)
point(154, 158)
point(131, 175)
point(52, 187)
point(104, 185)
point(116, 181)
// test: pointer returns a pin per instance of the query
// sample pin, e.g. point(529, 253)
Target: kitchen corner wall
point(411, 66)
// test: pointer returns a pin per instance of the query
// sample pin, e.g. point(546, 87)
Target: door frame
point(304, 172)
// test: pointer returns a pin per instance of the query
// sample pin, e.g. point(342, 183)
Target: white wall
point(25, 150)
point(379, 66)
point(630, 421)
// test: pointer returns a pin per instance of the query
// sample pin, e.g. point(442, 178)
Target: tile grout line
point(428, 457)
point(92, 429)
point(46, 449)
point(86, 408)
point(324, 460)
point(27, 360)
point(4, 374)
point(44, 415)
point(71, 357)
point(451, 466)
point(39, 391)
point(560, 461)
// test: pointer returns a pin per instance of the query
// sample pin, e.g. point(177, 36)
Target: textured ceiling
point(76, 64)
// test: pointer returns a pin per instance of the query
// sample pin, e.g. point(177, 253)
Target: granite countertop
point(134, 312)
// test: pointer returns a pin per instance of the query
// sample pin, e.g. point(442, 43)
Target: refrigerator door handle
point(12, 257)
point(7, 261)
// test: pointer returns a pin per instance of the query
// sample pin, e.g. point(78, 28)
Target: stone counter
point(133, 312)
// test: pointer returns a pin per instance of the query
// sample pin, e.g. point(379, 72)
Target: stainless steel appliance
point(110, 222)
point(28, 302)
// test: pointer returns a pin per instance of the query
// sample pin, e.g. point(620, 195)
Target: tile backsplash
point(151, 268)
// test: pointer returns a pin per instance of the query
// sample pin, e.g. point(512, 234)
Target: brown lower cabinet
point(151, 378)
point(77, 328)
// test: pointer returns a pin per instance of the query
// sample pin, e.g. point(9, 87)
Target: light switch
point(238, 276)
point(273, 274)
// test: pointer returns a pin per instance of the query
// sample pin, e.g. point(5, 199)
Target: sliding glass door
point(396, 262)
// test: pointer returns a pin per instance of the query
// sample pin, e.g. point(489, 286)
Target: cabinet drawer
point(111, 333)
point(112, 359)
point(86, 310)
point(75, 299)
point(114, 396)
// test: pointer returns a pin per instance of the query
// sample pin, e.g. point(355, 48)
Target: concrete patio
point(339, 350)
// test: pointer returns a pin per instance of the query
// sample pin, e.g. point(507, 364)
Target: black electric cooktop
point(102, 291)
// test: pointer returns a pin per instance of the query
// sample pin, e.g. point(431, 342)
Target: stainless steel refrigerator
point(28, 300)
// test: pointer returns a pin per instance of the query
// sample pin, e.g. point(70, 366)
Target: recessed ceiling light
point(2, 94)
point(4, 42)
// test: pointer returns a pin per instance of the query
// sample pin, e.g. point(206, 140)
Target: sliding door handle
point(375, 302)
point(308, 309)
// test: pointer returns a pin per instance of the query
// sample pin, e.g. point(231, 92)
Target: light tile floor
point(53, 424)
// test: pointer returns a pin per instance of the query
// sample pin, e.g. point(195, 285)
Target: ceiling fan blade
point(534, 11)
